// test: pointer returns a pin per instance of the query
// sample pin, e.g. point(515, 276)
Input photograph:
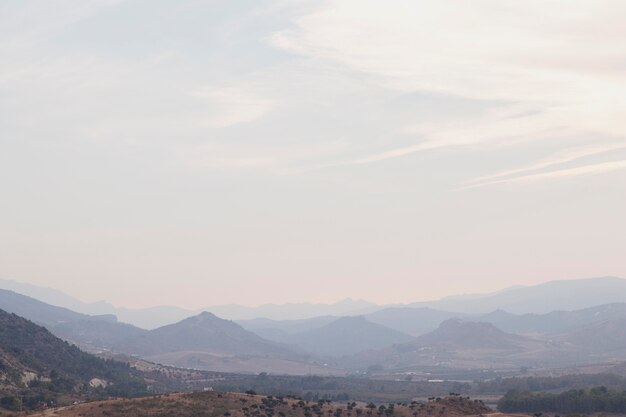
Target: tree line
point(597, 399)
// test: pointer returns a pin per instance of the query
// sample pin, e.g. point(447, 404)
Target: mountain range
point(563, 295)
point(153, 317)
point(460, 344)
point(204, 332)
point(341, 336)
point(91, 333)
point(538, 299)
point(392, 339)
point(204, 341)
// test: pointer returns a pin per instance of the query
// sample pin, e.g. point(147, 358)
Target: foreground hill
point(37, 367)
point(213, 404)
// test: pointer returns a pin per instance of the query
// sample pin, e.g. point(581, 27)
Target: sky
point(202, 152)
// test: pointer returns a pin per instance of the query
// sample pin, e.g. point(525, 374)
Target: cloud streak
point(561, 158)
point(591, 169)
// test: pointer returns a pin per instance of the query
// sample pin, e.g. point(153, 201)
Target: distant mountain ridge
point(564, 295)
point(36, 310)
point(204, 341)
point(554, 321)
point(342, 336)
point(204, 332)
point(538, 299)
point(286, 326)
point(412, 320)
point(208, 342)
point(91, 333)
point(455, 344)
point(603, 337)
point(396, 338)
point(153, 317)
point(457, 334)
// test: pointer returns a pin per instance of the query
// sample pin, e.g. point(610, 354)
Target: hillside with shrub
point(38, 369)
point(215, 404)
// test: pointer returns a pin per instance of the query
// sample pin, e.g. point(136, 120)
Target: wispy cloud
point(591, 169)
point(561, 158)
point(495, 128)
point(543, 79)
point(552, 66)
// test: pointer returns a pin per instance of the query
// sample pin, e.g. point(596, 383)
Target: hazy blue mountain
point(286, 326)
point(37, 311)
point(415, 318)
point(455, 343)
point(205, 333)
point(203, 341)
point(153, 317)
point(455, 339)
point(459, 343)
point(96, 335)
point(292, 311)
point(605, 336)
point(461, 334)
point(555, 321)
point(413, 321)
point(406, 320)
point(158, 316)
point(57, 298)
point(275, 335)
point(539, 299)
point(148, 318)
point(92, 333)
point(343, 336)
point(563, 295)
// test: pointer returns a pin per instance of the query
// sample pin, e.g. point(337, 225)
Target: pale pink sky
point(203, 153)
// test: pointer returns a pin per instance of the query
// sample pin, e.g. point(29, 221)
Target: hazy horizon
point(250, 152)
point(283, 302)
